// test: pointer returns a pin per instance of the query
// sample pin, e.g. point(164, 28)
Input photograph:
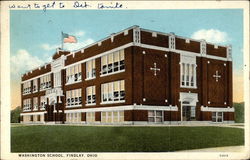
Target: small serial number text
point(91, 155)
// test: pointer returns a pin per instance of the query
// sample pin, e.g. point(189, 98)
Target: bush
point(239, 112)
point(15, 115)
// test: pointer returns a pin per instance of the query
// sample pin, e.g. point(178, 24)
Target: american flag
point(68, 38)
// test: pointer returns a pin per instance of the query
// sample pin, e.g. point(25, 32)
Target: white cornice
point(216, 109)
point(31, 113)
point(125, 107)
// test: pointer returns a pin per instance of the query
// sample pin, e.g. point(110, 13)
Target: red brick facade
point(152, 77)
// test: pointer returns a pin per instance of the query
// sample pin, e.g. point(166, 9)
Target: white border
point(5, 99)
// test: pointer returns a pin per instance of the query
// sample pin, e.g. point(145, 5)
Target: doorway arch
point(188, 103)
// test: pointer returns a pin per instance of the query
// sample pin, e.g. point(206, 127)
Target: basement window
point(155, 116)
point(217, 116)
point(112, 117)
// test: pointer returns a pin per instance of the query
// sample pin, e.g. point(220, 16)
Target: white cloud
point(211, 35)
point(49, 47)
point(78, 33)
point(24, 61)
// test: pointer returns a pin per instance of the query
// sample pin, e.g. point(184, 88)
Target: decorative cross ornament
point(216, 76)
point(155, 69)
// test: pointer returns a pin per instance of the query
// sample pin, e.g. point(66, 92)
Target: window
point(35, 103)
point(90, 117)
point(155, 116)
point(73, 74)
point(116, 90)
point(27, 87)
point(90, 69)
point(115, 117)
point(188, 71)
point(109, 117)
point(57, 79)
point(45, 82)
point(27, 105)
point(113, 92)
point(113, 62)
point(112, 117)
point(73, 117)
point(121, 116)
point(74, 98)
point(217, 116)
point(35, 85)
point(43, 102)
point(90, 95)
point(68, 117)
point(103, 117)
point(192, 114)
point(26, 118)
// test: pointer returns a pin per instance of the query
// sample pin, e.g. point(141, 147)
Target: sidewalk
point(234, 125)
point(218, 149)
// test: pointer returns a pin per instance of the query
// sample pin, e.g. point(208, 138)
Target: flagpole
point(62, 40)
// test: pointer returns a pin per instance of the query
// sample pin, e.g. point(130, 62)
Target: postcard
point(124, 80)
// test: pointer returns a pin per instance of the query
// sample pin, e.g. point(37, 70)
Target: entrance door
point(50, 112)
point(188, 113)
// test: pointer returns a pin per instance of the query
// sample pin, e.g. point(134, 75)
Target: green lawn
point(46, 138)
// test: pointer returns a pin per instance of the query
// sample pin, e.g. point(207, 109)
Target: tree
point(239, 112)
point(15, 115)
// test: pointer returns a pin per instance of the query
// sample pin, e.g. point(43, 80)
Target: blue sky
point(36, 34)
